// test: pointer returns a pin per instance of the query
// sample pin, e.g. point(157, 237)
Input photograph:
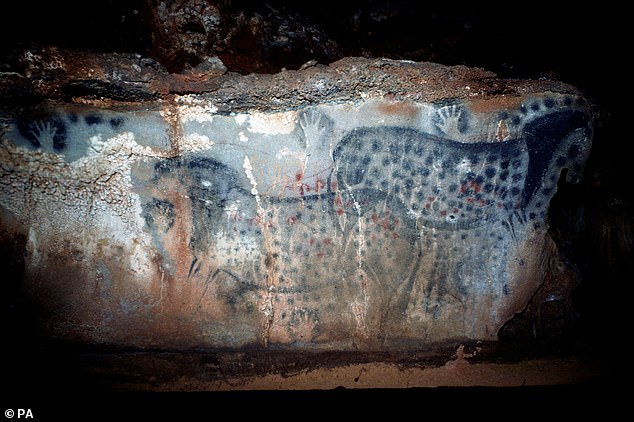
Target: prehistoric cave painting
point(454, 185)
point(76, 134)
point(407, 225)
point(47, 132)
point(450, 119)
point(458, 202)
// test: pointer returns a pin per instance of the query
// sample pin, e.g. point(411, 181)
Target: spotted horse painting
point(383, 224)
point(370, 205)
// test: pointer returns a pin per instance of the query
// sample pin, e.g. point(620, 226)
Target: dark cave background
point(580, 45)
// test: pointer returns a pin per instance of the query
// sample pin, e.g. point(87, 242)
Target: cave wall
point(111, 116)
point(401, 205)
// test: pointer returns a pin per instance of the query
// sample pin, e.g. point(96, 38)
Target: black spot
point(474, 159)
point(523, 109)
point(429, 160)
point(366, 160)
point(115, 122)
point(488, 188)
point(386, 161)
point(516, 163)
point(72, 117)
point(532, 215)
point(503, 115)
point(573, 151)
point(516, 120)
point(568, 101)
point(93, 119)
point(535, 106)
point(479, 180)
point(549, 102)
point(409, 184)
point(547, 191)
point(504, 175)
point(517, 177)
point(504, 164)
point(453, 187)
point(375, 146)
point(515, 191)
point(407, 165)
point(561, 161)
point(489, 172)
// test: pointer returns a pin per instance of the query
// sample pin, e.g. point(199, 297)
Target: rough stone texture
point(370, 204)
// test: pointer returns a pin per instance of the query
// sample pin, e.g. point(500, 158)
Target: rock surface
point(369, 204)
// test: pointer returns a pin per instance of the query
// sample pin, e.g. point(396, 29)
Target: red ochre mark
point(303, 187)
point(395, 235)
point(319, 185)
point(477, 187)
point(443, 213)
point(327, 241)
point(340, 211)
point(291, 220)
point(338, 201)
point(312, 241)
point(333, 185)
point(431, 198)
